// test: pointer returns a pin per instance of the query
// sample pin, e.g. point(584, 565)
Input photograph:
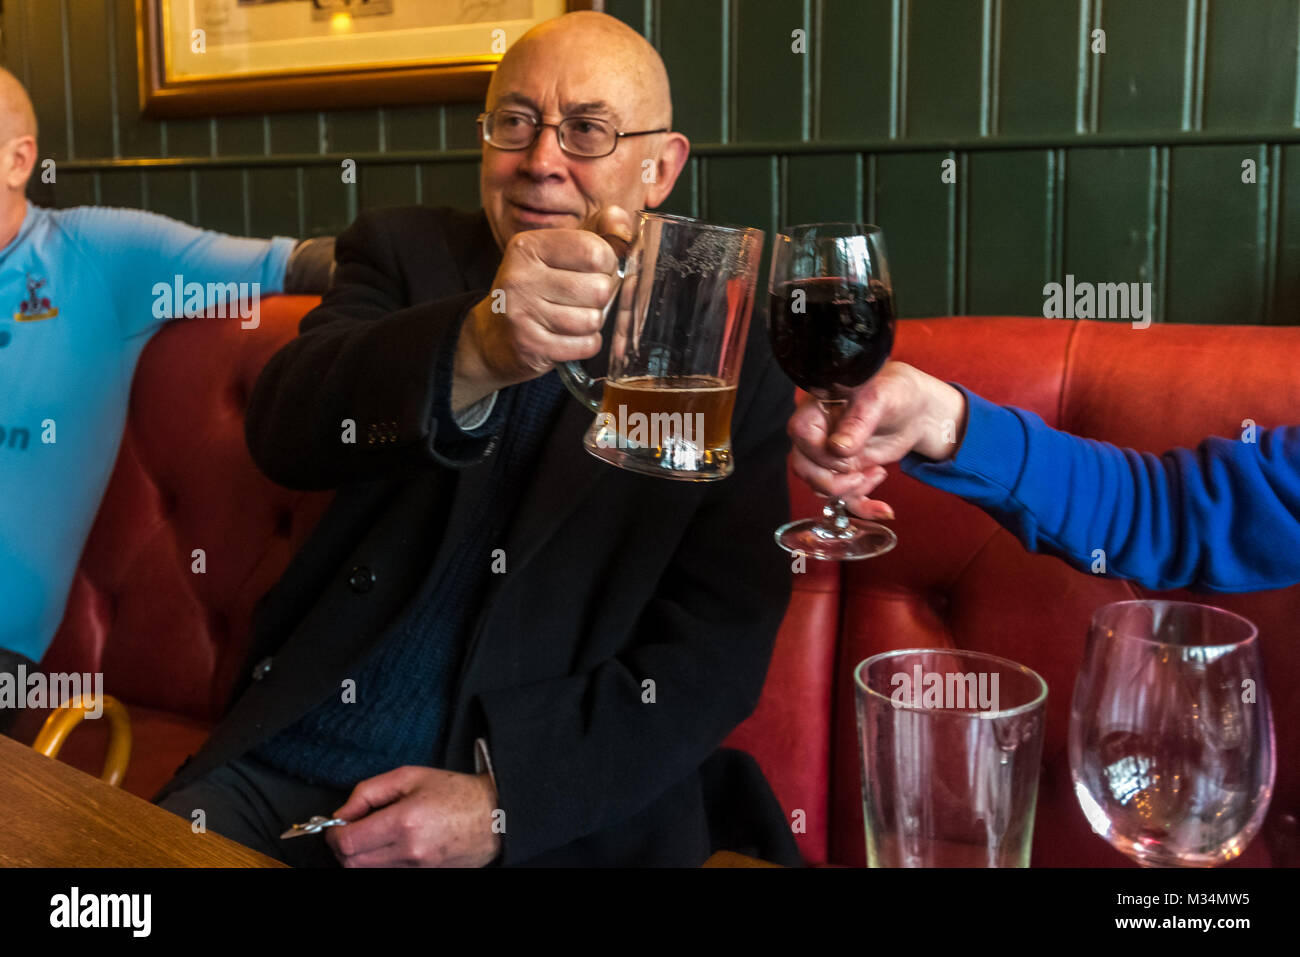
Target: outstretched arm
point(1224, 517)
point(146, 259)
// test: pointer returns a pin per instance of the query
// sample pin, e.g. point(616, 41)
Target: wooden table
point(732, 859)
point(56, 816)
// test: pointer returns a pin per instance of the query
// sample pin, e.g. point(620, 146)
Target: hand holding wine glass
point(899, 411)
point(831, 325)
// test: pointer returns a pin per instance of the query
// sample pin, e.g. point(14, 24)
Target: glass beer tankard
point(680, 318)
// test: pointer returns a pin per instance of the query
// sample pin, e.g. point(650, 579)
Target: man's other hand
point(900, 410)
point(546, 306)
point(418, 817)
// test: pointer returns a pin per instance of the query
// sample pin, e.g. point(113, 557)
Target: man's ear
point(663, 174)
point(19, 161)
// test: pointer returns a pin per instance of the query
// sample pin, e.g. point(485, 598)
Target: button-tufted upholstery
point(171, 641)
point(957, 579)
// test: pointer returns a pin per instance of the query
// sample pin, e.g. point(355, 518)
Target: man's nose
point(545, 157)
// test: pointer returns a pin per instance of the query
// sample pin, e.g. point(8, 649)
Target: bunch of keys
point(314, 826)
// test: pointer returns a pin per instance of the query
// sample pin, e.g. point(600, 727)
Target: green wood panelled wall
point(1117, 166)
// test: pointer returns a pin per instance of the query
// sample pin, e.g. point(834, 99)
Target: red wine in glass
point(831, 334)
point(831, 325)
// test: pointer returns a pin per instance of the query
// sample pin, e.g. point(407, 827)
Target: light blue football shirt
point(79, 299)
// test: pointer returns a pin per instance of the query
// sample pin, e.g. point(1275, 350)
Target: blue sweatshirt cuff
point(277, 264)
point(988, 464)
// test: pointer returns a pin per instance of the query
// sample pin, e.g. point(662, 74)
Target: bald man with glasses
point(496, 649)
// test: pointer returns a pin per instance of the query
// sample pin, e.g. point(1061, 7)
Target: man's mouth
point(529, 210)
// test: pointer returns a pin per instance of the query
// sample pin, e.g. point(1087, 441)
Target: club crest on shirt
point(35, 306)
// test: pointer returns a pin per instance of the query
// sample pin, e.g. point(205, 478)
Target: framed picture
point(200, 57)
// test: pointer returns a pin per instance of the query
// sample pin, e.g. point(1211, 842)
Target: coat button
point(361, 580)
point(262, 669)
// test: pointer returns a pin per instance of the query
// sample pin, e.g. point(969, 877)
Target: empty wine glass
point(1171, 737)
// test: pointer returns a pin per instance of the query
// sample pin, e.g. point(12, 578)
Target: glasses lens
point(587, 137)
point(509, 130)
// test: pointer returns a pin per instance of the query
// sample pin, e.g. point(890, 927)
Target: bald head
point(17, 118)
point(599, 50)
point(581, 66)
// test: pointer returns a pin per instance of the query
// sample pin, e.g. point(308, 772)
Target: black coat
point(612, 577)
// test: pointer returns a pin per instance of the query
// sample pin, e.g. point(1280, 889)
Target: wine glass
point(831, 325)
point(1171, 736)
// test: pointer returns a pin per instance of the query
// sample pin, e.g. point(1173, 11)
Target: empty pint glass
point(951, 743)
point(677, 328)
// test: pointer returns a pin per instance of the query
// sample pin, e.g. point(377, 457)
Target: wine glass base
point(864, 540)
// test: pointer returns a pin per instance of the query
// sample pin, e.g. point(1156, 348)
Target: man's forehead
point(567, 107)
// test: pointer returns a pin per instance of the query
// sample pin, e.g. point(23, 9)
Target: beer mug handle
point(586, 389)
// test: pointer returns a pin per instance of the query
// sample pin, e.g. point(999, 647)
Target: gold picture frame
point(203, 57)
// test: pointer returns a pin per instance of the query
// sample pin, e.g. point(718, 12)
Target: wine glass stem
point(835, 522)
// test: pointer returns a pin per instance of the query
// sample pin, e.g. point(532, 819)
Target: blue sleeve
point(140, 255)
point(1222, 518)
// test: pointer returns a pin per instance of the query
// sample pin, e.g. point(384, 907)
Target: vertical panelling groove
point(774, 187)
point(703, 190)
point(870, 187)
point(805, 74)
point(1189, 66)
point(1198, 93)
point(67, 79)
point(111, 40)
point(813, 130)
point(1057, 172)
point(245, 188)
point(958, 228)
point(1081, 74)
point(1153, 216)
point(381, 129)
point(1050, 220)
point(697, 197)
point(730, 30)
point(857, 188)
point(1094, 74)
point(783, 191)
point(96, 189)
point(302, 202)
point(995, 69)
point(194, 195)
point(1270, 215)
point(19, 16)
point(648, 16)
point(1162, 245)
point(1295, 103)
point(898, 77)
point(986, 68)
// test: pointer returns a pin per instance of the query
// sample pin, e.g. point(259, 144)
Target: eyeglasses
point(578, 135)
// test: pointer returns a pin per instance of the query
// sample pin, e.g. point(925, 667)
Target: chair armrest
point(63, 719)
